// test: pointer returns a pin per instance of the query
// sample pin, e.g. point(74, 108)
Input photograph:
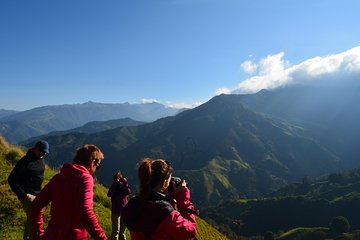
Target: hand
point(180, 187)
point(29, 197)
point(123, 181)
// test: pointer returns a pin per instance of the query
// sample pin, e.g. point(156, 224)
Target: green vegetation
point(12, 216)
point(317, 233)
point(206, 231)
point(305, 233)
point(299, 208)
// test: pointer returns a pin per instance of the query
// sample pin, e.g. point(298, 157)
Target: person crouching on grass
point(71, 195)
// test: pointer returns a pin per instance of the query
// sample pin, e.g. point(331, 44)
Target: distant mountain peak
point(45, 119)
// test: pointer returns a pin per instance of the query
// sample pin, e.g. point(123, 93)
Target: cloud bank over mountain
point(273, 72)
point(145, 100)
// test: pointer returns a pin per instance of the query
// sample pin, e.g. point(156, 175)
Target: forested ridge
point(297, 210)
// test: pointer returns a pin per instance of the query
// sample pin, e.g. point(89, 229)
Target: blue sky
point(176, 52)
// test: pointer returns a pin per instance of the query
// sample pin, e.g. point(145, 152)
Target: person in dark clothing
point(26, 178)
point(153, 214)
point(118, 192)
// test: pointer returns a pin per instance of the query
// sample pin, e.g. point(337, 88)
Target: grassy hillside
point(12, 216)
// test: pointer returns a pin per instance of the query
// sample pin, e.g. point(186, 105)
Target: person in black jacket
point(26, 178)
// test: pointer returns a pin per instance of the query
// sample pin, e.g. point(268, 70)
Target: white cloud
point(248, 66)
point(171, 104)
point(144, 100)
point(223, 91)
point(274, 72)
point(184, 105)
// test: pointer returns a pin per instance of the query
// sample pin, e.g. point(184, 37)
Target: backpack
point(144, 216)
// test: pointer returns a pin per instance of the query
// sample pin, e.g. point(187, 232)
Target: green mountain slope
point(308, 204)
point(91, 127)
point(99, 126)
point(12, 217)
point(330, 114)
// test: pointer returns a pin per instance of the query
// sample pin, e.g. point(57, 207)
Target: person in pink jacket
point(152, 214)
point(71, 195)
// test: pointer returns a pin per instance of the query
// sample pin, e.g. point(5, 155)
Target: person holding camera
point(152, 214)
point(118, 192)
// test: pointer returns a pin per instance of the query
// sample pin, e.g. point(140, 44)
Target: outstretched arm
point(87, 213)
point(179, 224)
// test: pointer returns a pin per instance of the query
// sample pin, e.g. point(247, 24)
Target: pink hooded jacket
point(156, 218)
point(71, 195)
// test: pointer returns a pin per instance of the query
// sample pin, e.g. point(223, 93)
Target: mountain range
point(4, 113)
point(19, 126)
point(99, 126)
point(235, 145)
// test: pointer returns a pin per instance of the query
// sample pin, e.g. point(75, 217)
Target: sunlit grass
point(12, 216)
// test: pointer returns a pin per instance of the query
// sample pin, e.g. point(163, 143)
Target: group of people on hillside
point(155, 213)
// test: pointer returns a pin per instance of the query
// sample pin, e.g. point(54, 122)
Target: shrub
point(339, 225)
point(356, 235)
point(13, 155)
point(269, 235)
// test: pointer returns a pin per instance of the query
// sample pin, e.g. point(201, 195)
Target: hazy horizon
point(179, 53)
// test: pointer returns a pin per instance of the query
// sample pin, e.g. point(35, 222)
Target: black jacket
point(141, 215)
point(27, 175)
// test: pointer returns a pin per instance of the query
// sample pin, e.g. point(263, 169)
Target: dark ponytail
point(151, 173)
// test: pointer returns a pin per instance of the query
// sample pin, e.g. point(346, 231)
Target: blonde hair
point(86, 154)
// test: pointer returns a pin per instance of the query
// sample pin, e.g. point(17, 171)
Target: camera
point(175, 180)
